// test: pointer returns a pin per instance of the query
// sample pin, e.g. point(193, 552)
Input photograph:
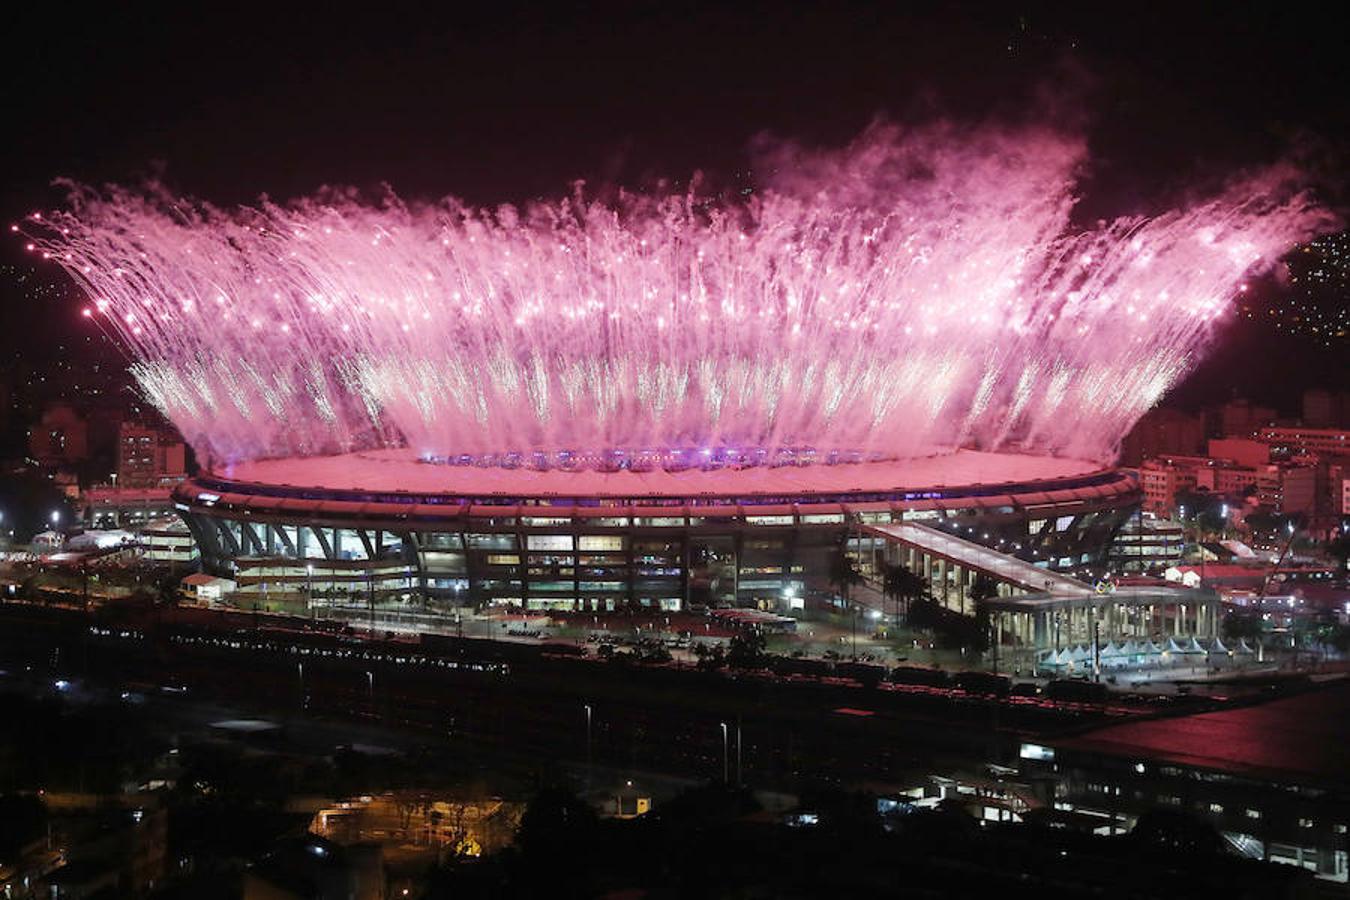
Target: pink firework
point(909, 294)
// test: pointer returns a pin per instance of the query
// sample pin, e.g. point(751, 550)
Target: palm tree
point(1339, 548)
point(983, 589)
point(892, 585)
point(903, 583)
point(981, 592)
point(843, 570)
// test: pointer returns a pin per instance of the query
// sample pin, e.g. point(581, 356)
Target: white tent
point(101, 540)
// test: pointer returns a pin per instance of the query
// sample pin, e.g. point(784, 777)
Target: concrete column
point(942, 577)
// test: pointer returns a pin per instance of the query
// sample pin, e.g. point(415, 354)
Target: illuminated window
point(548, 542)
point(600, 542)
point(491, 541)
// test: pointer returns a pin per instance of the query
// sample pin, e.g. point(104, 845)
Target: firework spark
point(910, 293)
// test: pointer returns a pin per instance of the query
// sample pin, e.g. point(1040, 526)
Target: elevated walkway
point(928, 548)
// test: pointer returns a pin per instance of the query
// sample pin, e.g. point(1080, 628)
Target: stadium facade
point(384, 524)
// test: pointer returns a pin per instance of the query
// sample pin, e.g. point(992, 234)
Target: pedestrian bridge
point(951, 564)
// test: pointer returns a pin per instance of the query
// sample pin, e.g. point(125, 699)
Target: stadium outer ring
point(383, 521)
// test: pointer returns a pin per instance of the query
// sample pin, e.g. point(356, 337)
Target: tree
point(844, 570)
point(984, 588)
point(1237, 626)
point(1174, 832)
point(892, 581)
point(1204, 508)
point(981, 592)
point(747, 649)
point(1339, 548)
point(710, 656)
point(23, 819)
point(903, 583)
point(556, 839)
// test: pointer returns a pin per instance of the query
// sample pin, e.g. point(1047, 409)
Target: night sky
point(495, 103)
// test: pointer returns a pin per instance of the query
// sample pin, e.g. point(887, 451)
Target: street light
point(726, 773)
point(587, 707)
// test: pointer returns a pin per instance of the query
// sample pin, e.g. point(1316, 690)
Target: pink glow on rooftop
point(400, 470)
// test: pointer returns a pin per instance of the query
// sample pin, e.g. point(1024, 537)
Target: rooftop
point(1299, 739)
point(402, 470)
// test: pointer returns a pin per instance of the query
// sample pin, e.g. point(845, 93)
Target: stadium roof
point(402, 470)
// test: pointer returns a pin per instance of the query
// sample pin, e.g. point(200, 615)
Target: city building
point(1146, 542)
point(109, 506)
point(1270, 777)
point(1243, 451)
point(1325, 409)
point(1283, 488)
point(60, 437)
point(1301, 440)
point(1163, 432)
point(168, 541)
point(1162, 479)
point(148, 456)
point(1239, 418)
point(313, 868)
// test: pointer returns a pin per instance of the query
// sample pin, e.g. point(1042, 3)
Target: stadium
point(383, 523)
point(664, 399)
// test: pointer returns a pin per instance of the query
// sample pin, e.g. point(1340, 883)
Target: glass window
point(601, 586)
point(600, 542)
point(442, 541)
point(823, 519)
point(491, 541)
point(548, 541)
point(536, 521)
